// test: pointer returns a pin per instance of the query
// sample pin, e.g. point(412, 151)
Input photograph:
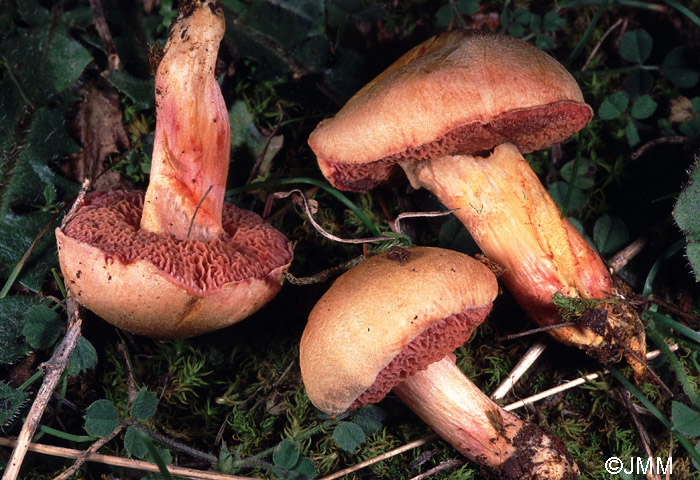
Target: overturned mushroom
point(388, 324)
point(467, 92)
point(177, 261)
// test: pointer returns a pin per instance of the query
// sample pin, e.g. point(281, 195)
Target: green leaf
point(140, 91)
point(468, 7)
point(101, 418)
point(133, 442)
point(678, 67)
point(686, 215)
point(584, 175)
point(42, 326)
point(83, 358)
point(643, 107)
point(544, 42)
point(522, 16)
point(610, 234)
point(685, 419)
point(614, 105)
point(370, 418)
point(516, 30)
point(11, 400)
point(45, 61)
point(145, 405)
point(632, 134)
point(286, 454)
point(225, 462)
point(454, 236)
point(306, 468)
point(348, 436)
point(551, 21)
point(444, 16)
point(12, 344)
point(559, 191)
point(635, 46)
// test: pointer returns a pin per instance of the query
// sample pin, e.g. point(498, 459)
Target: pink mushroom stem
point(481, 430)
point(192, 141)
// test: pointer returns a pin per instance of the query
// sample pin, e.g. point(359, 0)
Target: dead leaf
point(98, 126)
point(681, 110)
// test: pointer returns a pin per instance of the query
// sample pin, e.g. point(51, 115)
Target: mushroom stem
point(192, 141)
point(516, 224)
point(481, 430)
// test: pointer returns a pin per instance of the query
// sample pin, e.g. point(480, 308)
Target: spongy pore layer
point(437, 341)
point(528, 129)
point(249, 248)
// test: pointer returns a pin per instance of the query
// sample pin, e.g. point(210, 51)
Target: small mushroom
point(177, 261)
point(387, 325)
point(466, 92)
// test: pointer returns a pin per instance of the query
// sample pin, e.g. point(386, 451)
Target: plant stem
point(310, 181)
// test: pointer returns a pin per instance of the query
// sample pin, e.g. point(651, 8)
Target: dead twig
point(323, 275)
point(442, 466)
point(85, 456)
point(53, 370)
point(600, 42)
point(624, 256)
point(643, 435)
point(105, 34)
point(125, 462)
point(658, 141)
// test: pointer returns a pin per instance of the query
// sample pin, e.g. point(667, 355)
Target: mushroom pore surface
point(430, 346)
point(529, 129)
point(248, 249)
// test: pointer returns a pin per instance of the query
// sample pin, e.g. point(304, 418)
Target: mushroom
point(177, 261)
point(438, 112)
point(392, 323)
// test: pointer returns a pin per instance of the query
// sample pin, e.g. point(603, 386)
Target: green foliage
point(42, 326)
point(610, 234)
point(636, 45)
point(145, 405)
point(134, 444)
point(349, 436)
point(83, 358)
point(11, 400)
point(101, 418)
point(686, 216)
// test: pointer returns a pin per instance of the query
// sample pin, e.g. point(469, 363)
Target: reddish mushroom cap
point(159, 285)
point(383, 320)
point(458, 92)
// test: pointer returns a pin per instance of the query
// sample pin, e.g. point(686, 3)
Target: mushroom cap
point(374, 311)
point(458, 92)
point(163, 287)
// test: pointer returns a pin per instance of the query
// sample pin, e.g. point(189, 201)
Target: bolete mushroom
point(392, 323)
point(178, 261)
point(462, 93)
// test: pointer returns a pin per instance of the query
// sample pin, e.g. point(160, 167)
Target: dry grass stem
point(139, 465)
point(446, 465)
point(624, 256)
point(79, 461)
point(519, 370)
point(53, 370)
point(643, 435)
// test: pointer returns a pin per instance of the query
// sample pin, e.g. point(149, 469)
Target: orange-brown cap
point(459, 92)
point(163, 287)
point(390, 317)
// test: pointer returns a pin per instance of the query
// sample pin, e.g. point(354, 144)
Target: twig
point(519, 370)
point(77, 203)
point(276, 382)
point(383, 456)
point(641, 150)
point(305, 204)
point(536, 330)
point(446, 465)
point(323, 275)
point(125, 462)
point(600, 42)
point(105, 34)
point(53, 370)
point(674, 309)
point(643, 435)
point(624, 256)
point(88, 453)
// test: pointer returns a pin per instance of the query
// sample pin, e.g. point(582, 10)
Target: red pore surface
point(528, 129)
point(433, 344)
point(248, 249)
